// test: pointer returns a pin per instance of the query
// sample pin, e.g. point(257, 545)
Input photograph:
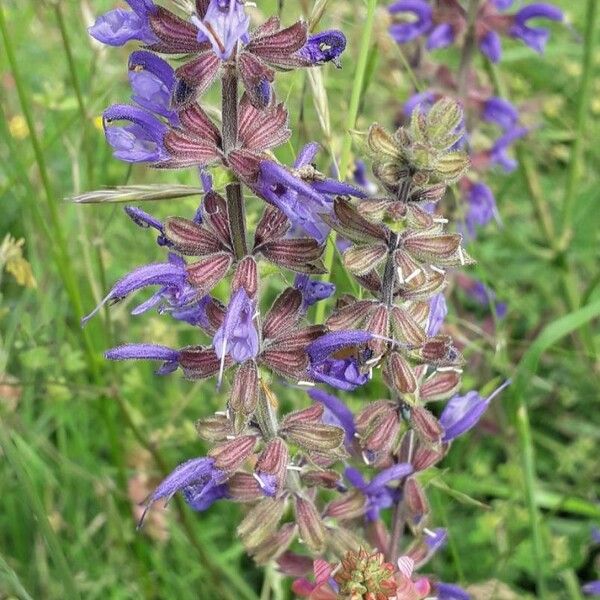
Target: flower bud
point(214, 429)
point(274, 546)
point(243, 487)
point(406, 328)
point(398, 374)
point(312, 414)
point(425, 424)
point(416, 501)
point(349, 506)
point(439, 386)
point(341, 540)
point(381, 434)
point(316, 437)
point(231, 454)
point(324, 479)
point(260, 523)
point(244, 392)
point(274, 460)
point(310, 524)
point(246, 276)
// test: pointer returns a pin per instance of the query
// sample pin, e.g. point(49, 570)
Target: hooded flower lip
point(438, 310)
point(224, 25)
point(141, 140)
point(481, 207)
point(462, 413)
point(169, 356)
point(535, 37)
point(501, 112)
point(491, 46)
point(199, 480)
point(152, 81)
point(336, 413)
point(499, 151)
point(449, 591)
point(591, 588)
point(119, 26)
point(406, 32)
point(313, 290)
point(323, 47)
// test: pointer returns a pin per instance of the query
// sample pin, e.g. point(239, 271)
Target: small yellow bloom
point(12, 260)
point(98, 123)
point(18, 127)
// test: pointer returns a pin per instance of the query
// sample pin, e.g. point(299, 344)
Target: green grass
point(74, 431)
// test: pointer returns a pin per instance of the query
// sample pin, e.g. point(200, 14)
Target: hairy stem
point(398, 522)
point(236, 210)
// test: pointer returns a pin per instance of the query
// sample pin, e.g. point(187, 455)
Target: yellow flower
point(18, 127)
point(13, 262)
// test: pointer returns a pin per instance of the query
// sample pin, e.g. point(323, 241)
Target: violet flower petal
point(405, 32)
point(491, 46)
point(342, 415)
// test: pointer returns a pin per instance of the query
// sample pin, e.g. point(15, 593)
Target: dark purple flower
point(499, 151)
point(224, 25)
point(141, 140)
point(592, 588)
point(333, 342)
point(313, 290)
point(343, 374)
point(435, 539)
point(502, 4)
point(142, 219)
point(169, 356)
point(438, 310)
point(170, 276)
point(485, 296)
point(462, 413)
point(481, 207)
point(595, 535)
point(199, 480)
point(378, 495)
point(336, 413)
point(325, 46)
point(152, 82)
point(119, 26)
point(237, 336)
point(361, 178)
point(405, 32)
point(491, 46)
point(534, 37)
point(501, 112)
point(449, 591)
point(441, 36)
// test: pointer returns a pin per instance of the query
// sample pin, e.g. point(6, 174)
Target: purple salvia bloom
point(498, 152)
point(343, 374)
point(307, 155)
point(481, 207)
point(238, 335)
point(119, 26)
point(534, 37)
point(595, 535)
point(462, 413)
point(361, 178)
point(449, 591)
point(491, 46)
point(438, 310)
point(141, 141)
point(171, 275)
point(424, 100)
point(435, 539)
point(485, 296)
point(441, 36)
point(224, 26)
point(592, 588)
point(398, 471)
point(199, 480)
point(267, 483)
point(152, 82)
point(405, 32)
point(501, 112)
point(323, 47)
point(169, 356)
point(313, 290)
point(334, 341)
point(142, 219)
point(336, 413)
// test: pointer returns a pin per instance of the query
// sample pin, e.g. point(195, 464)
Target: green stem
point(355, 98)
point(14, 458)
point(576, 166)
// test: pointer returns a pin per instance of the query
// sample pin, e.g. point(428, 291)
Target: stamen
point(400, 275)
point(261, 483)
point(230, 437)
point(461, 256)
point(294, 468)
point(307, 383)
point(437, 269)
point(440, 220)
point(365, 458)
point(412, 275)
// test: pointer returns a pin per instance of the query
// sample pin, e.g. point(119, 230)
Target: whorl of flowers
point(315, 480)
point(492, 124)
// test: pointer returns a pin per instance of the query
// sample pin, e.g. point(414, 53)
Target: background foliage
point(83, 441)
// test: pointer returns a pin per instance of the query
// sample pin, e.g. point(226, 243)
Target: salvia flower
point(481, 206)
point(501, 112)
point(535, 37)
point(592, 588)
point(450, 591)
point(313, 290)
point(119, 26)
point(464, 412)
point(438, 310)
point(422, 20)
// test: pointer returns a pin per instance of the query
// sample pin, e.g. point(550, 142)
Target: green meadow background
point(83, 441)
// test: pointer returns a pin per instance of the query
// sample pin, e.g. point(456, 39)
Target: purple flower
point(378, 495)
point(423, 100)
point(438, 310)
point(142, 219)
point(501, 112)
point(336, 413)
point(405, 32)
point(302, 202)
point(441, 36)
point(484, 295)
point(595, 535)
point(171, 276)
point(449, 591)
point(200, 481)
point(119, 26)
point(499, 151)
point(435, 539)
point(335, 341)
point(462, 413)
point(481, 207)
point(169, 356)
point(592, 588)
point(534, 37)
point(238, 335)
point(361, 179)
point(141, 141)
point(502, 4)
point(491, 46)
point(224, 25)
point(326, 46)
point(152, 81)
point(313, 290)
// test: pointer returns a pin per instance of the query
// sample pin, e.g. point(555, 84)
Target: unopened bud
point(214, 429)
point(310, 524)
point(231, 454)
point(349, 506)
point(260, 523)
point(244, 392)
